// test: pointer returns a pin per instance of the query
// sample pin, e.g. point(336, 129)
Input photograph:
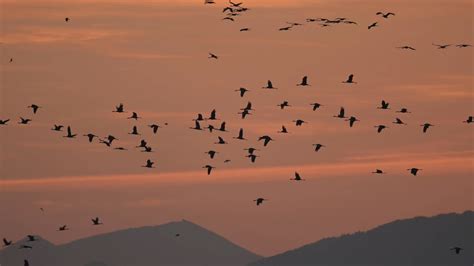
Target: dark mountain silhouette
point(417, 241)
point(145, 246)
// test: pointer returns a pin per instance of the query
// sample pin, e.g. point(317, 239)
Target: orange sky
point(152, 56)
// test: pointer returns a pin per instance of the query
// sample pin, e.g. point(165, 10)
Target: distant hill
point(146, 246)
point(410, 242)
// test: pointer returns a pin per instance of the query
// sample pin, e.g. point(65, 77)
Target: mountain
point(410, 242)
point(145, 246)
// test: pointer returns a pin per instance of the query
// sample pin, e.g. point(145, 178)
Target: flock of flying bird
point(234, 10)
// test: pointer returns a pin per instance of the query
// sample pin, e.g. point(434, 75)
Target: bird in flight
point(373, 25)
point(200, 117)
point(241, 135)
point(154, 127)
point(266, 139)
point(134, 116)
point(222, 127)
point(404, 111)
point(426, 126)
point(457, 250)
point(69, 133)
point(441, 46)
point(469, 120)
point(304, 82)
point(283, 130)
point(398, 121)
point(235, 4)
point(350, 79)
point(197, 126)
point(406, 47)
point(315, 106)
point(385, 15)
point(383, 105)
point(251, 150)
point(318, 147)
point(285, 28)
point(245, 113)
point(207, 2)
point(147, 149)
point(149, 164)
point(380, 128)
point(252, 157)
point(134, 131)
point(228, 18)
point(259, 201)
point(220, 140)
point(212, 116)
point(242, 91)
point(341, 113)
point(4, 122)
point(11, 60)
point(25, 247)
point(96, 221)
point(464, 45)
point(299, 122)
point(31, 238)
point(297, 177)
point(283, 105)
point(269, 85)
point(119, 108)
point(414, 171)
point(7, 242)
point(211, 153)
point(34, 107)
point(378, 171)
point(352, 120)
point(63, 228)
point(213, 56)
point(245, 29)
point(209, 168)
point(57, 127)
point(24, 121)
point(67, 19)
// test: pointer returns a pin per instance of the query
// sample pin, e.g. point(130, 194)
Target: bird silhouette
point(241, 135)
point(24, 121)
point(457, 250)
point(57, 127)
point(34, 107)
point(315, 106)
point(4, 122)
point(69, 133)
point(149, 164)
point(111, 138)
point(469, 120)
point(244, 29)
point(399, 121)
point(11, 60)
point(318, 147)
point(380, 128)
point(283, 130)
point(403, 111)
point(406, 47)
point(375, 24)
point(207, 2)
point(106, 142)
point(464, 45)
point(251, 150)
point(120, 148)
point(134, 116)
point(383, 105)
point(154, 127)
point(227, 161)
point(63, 228)
point(304, 82)
point(352, 120)
point(266, 139)
point(441, 46)
point(235, 4)
point(67, 19)
point(299, 122)
point(297, 177)
point(211, 153)
point(259, 201)
point(96, 221)
point(134, 131)
point(244, 113)
point(350, 79)
point(197, 126)
point(220, 140)
point(378, 171)
point(213, 56)
point(209, 168)
point(211, 128)
point(414, 171)
point(283, 105)
point(147, 149)
point(212, 115)
point(119, 108)
point(341, 113)
point(426, 126)
point(385, 15)
point(226, 18)
point(285, 28)
point(269, 85)
point(248, 107)
point(222, 127)
point(31, 238)
point(242, 91)
point(143, 144)
point(252, 157)
point(7, 242)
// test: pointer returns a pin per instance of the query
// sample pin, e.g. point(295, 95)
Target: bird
point(251, 150)
point(269, 85)
point(57, 127)
point(134, 131)
point(222, 127)
point(96, 221)
point(143, 144)
point(283, 105)
point(227, 161)
point(252, 157)
point(210, 127)
point(285, 28)
point(399, 121)
point(297, 177)
point(147, 149)
point(241, 135)
point(209, 168)
point(134, 116)
point(245, 113)
point(469, 120)
point(414, 171)
point(380, 128)
point(248, 107)
point(299, 122)
point(111, 138)
point(350, 22)
point(120, 148)
point(386, 15)
point(283, 130)
point(235, 4)
point(266, 139)
point(154, 127)
point(341, 113)
point(228, 8)
point(67, 19)
point(7, 242)
point(212, 116)
point(211, 153)
point(11, 60)
point(383, 105)
point(69, 133)
point(119, 108)
point(63, 228)
point(197, 126)
point(457, 250)
point(378, 171)
point(106, 142)
point(206, 2)
point(244, 29)
point(220, 140)
point(464, 45)
point(441, 46)
point(242, 91)
point(25, 247)
point(372, 25)
point(304, 82)
point(352, 120)
point(177, 235)
point(149, 164)
point(213, 56)
point(228, 18)
point(24, 121)
point(4, 122)
point(31, 238)
point(315, 106)
point(426, 126)
point(34, 107)
point(403, 111)
point(350, 79)
point(318, 147)
point(294, 24)
point(406, 47)
point(259, 201)
point(200, 117)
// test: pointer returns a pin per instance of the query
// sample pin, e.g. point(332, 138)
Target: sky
point(151, 55)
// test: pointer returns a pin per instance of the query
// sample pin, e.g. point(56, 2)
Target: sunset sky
point(151, 55)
